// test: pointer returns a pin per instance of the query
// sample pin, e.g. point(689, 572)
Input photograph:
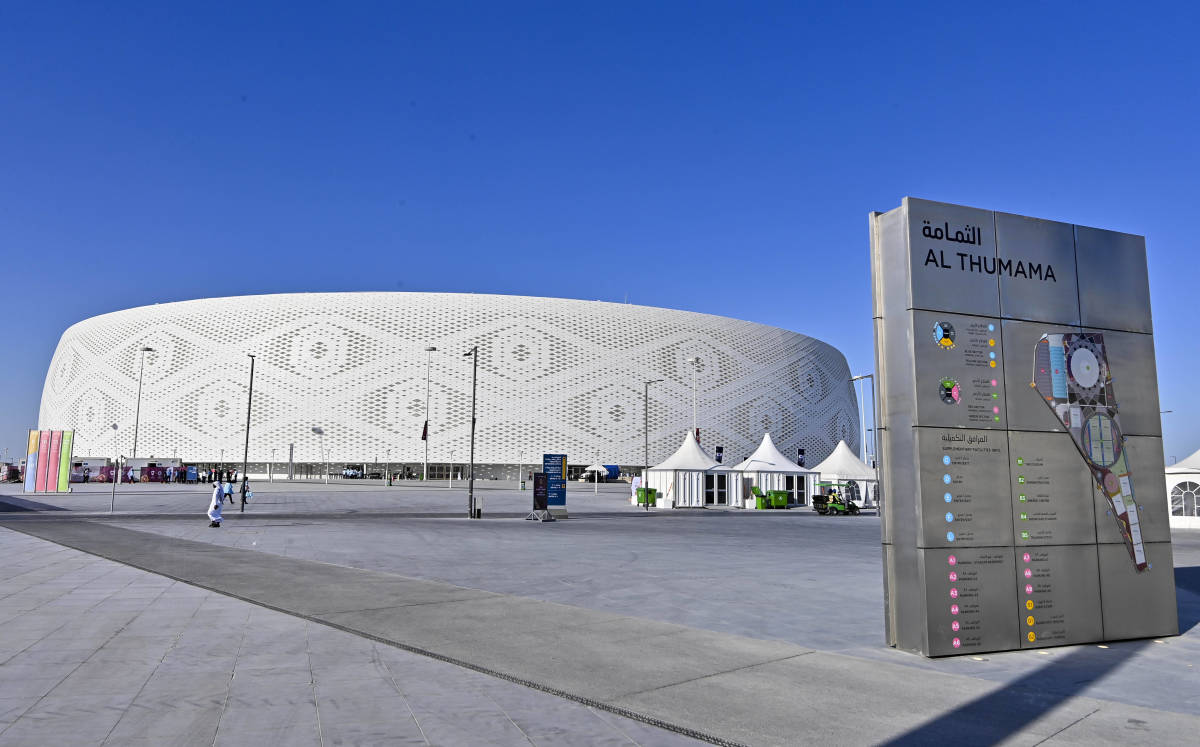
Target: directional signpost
point(554, 466)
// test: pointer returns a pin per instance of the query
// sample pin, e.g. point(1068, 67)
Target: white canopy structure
point(845, 467)
point(1183, 493)
point(768, 469)
point(687, 478)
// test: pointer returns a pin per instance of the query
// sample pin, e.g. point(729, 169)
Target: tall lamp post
point(646, 431)
point(862, 414)
point(249, 402)
point(695, 361)
point(271, 468)
point(137, 415)
point(472, 514)
point(387, 467)
point(425, 429)
point(116, 472)
point(321, 435)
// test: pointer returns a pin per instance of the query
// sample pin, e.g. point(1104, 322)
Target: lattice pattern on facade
point(555, 375)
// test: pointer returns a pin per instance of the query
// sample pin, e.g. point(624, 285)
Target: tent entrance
point(716, 490)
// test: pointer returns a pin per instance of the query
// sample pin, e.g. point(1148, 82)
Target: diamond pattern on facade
point(555, 375)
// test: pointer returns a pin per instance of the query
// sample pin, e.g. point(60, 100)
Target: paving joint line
point(591, 703)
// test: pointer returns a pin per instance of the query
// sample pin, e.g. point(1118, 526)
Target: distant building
point(555, 376)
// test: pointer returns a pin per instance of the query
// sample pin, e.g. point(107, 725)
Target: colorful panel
point(64, 467)
point(55, 461)
point(43, 461)
point(31, 460)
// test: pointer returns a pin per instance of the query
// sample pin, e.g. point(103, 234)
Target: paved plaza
point(358, 614)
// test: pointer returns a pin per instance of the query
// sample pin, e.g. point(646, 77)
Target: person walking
point(87, 473)
point(246, 494)
point(228, 488)
point(214, 507)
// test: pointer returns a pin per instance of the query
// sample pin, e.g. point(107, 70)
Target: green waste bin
point(644, 494)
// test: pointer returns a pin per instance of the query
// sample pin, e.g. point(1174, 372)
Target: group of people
point(223, 491)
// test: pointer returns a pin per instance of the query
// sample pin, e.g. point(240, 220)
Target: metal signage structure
point(1020, 440)
point(555, 468)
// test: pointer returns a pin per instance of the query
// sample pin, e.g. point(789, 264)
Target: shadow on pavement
point(11, 504)
point(998, 715)
point(1187, 579)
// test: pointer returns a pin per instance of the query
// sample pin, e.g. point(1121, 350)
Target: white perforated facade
point(555, 375)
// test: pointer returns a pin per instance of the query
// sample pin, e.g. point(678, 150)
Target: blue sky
point(663, 153)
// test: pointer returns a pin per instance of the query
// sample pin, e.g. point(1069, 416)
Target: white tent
point(1183, 493)
point(680, 480)
point(768, 469)
point(844, 466)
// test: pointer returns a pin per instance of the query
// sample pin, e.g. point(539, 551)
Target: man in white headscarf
point(214, 505)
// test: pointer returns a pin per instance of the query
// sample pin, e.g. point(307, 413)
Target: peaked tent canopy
point(844, 464)
point(689, 457)
point(1191, 464)
point(768, 458)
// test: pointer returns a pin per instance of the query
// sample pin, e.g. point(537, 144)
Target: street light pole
point(695, 361)
point(646, 455)
point(271, 468)
point(138, 412)
point(116, 472)
point(425, 429)
point(387, 467)
point(321, 435)
point(474, 353)
point(249, 402)
point(874, 414)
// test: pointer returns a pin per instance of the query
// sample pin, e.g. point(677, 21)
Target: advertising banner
point(48, 462)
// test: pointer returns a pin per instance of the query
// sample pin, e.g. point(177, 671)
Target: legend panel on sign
point(1051, 488)
point(1058, 593)
point(959, 370)
point(970, 597)
point(964, 487)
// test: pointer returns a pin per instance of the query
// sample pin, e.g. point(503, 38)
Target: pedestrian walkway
point(96, 652)
point(721, 687)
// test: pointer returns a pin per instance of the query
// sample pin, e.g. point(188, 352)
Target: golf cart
point(833, 501)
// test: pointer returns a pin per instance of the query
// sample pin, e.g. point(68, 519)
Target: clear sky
point(712, 156)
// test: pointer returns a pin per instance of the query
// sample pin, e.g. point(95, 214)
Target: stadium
point(350, 373)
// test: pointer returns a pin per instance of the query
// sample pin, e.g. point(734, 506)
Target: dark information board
point(554, 466)
point(540, 492)
point(1020, 439)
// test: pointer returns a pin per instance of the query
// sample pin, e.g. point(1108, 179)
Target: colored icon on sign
point(943, 335)
point(953, 575)
point(1028, 604)
point(1026, 557)
point(1024, 516)
point(953, 592)
point(991, 343)
point(949, 517)
point(956, 643)
point(1031, 637)
point(954, 625)
point(951, 560)
point(994, 382)
point(991, 328)
point(1021, 497)
point(1020, 479)
point(1028, 588)
point(1029, 621)
point(1028, 573)
point(1020, 460)
point(992, 364)
point(1024, 535)
point(992, 356)
point(946, 479)
point(954, 609)
point(947, 497)
point(949, 536)
point(946, 460)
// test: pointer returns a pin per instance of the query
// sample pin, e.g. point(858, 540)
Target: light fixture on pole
point(695, 361)
point(874, 415)
point(137, 415)
point(321, 435)
point(387, 467)
point(271, 468)
point(249, 402)
point(646, 455)
point(472, 513)
point(425, 428)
